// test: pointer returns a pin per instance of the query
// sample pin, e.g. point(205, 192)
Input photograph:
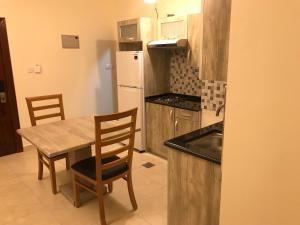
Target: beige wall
point(137, 8)
point(261, 173)
point(34, 31)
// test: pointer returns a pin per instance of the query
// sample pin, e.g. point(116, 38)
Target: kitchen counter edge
point(151, 99)
point(178, 143)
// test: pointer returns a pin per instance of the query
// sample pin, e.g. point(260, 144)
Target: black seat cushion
point(87, 167)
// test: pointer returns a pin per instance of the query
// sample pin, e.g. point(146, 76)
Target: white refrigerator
point(130, 80)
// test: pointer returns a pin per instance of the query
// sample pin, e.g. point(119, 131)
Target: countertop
point(183, 143)
point(187, 102)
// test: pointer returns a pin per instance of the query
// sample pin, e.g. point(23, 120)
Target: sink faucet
point(223, 105)
point(219, 109)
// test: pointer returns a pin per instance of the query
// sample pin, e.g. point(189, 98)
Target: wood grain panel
point(195, 38)
point(184, 126)
point(194, 187)
point(216, 25)
point(156, 71)
point(156, 63)
point(186, 121)
point(159, 128)
point(64, 136)
point(187, 114)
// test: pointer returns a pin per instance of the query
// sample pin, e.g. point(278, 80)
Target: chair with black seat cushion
point(107, 166)
point(43, 108)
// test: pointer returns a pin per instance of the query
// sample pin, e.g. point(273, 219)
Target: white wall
point(137, 8)
point(261, 173)
point(34, 32)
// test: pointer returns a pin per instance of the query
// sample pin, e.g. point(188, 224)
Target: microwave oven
point(129, 30)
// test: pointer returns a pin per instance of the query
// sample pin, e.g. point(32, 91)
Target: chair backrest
point(123, 132)
point(33, 107)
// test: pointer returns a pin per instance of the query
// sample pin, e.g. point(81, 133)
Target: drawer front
point(187, 114)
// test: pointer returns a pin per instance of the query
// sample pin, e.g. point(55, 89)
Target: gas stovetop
point(168, 99)
point(176, 100)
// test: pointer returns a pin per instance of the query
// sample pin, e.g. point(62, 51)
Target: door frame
point(9, 83)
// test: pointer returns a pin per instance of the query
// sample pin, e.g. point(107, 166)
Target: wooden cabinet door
point(216, 25)
point(184, 126)
point(186, 121)
point(194, 188)
point(195, 37)
point(159, 128)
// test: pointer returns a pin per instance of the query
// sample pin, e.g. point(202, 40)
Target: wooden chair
point(42, 158)
point(93, 173)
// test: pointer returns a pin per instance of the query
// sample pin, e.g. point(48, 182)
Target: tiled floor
point(27, 201)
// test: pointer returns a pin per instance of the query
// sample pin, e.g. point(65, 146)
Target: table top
point(63, 136)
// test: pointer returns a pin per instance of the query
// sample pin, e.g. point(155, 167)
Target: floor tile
point(27, 201)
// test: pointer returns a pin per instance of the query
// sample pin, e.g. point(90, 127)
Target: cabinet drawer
point(187, 114)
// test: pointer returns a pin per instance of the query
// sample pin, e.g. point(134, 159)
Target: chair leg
point(52, 176)
point(131, 192)
point(110, 187)
point(40, 165)
point(101, 204)
point(76, 193)
point(67, 163)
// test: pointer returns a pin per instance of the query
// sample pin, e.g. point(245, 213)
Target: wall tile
point(213, 94)
point(184, 79)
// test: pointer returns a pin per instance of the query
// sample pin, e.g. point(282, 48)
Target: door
point(160, 128)
point(186, 121)
point(129, 98)
point(185, 126)
point(10, 141)
point(130, 69)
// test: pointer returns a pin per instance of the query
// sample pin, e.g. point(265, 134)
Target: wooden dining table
point(72, 136)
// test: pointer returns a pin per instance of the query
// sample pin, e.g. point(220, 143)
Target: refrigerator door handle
point(128, 86)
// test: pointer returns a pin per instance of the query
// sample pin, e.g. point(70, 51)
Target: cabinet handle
point(171, 113)
point(176, 124)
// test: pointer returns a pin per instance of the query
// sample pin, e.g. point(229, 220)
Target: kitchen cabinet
point(195, 36)
point(159, 128)
point(194, 187)
point(186, 121)
point(216, 26)
point(164, 123)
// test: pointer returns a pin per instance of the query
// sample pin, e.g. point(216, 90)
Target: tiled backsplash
point(184, 79)
point(213, 94)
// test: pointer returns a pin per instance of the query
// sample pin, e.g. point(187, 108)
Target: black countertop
point(205, 143)
point(188, 102)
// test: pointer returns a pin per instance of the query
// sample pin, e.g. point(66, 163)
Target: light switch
point(37, 69)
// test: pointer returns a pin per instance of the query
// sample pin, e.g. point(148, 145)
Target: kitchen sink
point(211, 142)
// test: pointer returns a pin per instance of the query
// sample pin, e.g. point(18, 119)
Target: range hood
point(170, 43)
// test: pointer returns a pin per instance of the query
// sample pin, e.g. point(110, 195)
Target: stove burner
point(168, 99)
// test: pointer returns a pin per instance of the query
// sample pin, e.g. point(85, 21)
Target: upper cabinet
point(195, 37)
point(216, 26)
point(134, 34)
point(174, 27)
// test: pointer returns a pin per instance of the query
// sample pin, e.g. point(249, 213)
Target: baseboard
point(27, 147)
